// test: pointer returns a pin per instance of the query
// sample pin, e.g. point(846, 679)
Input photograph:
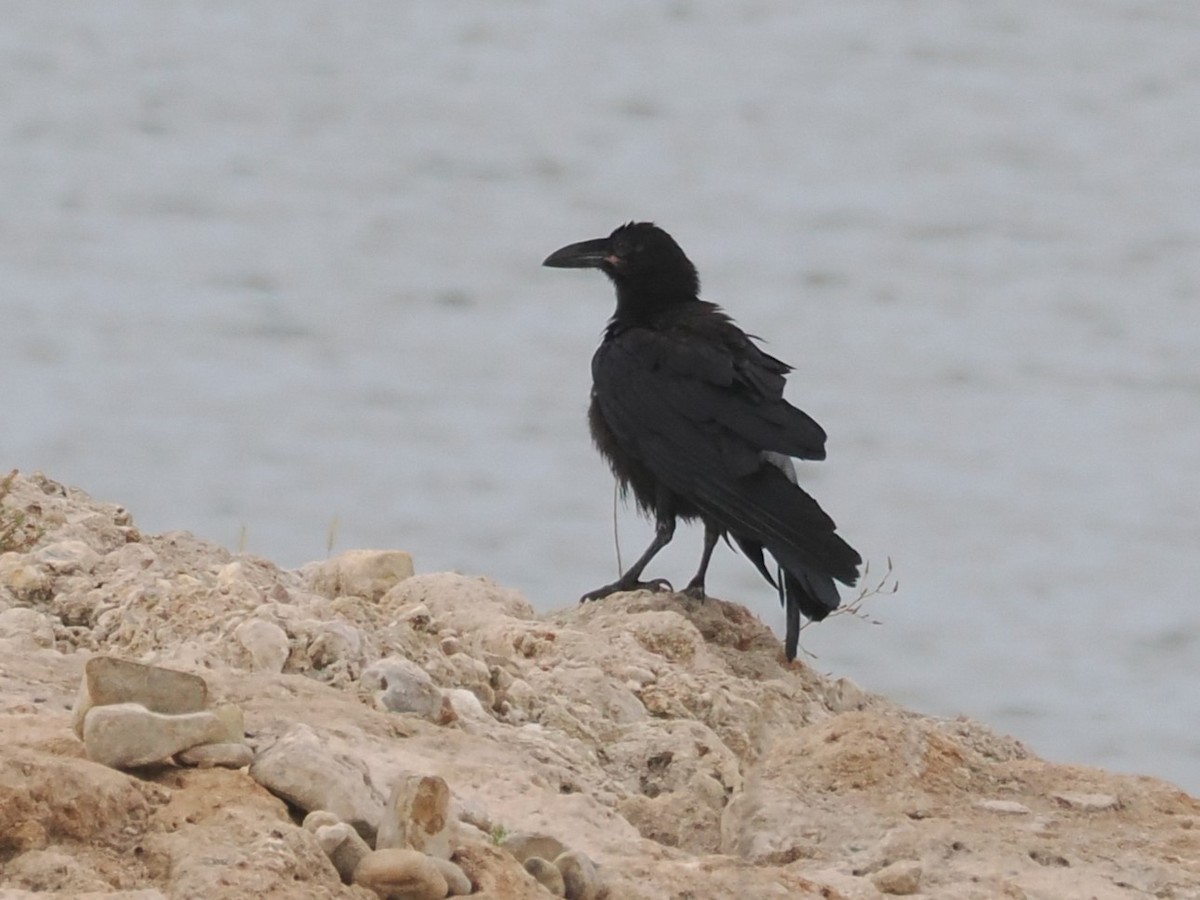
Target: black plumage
point(690, 415)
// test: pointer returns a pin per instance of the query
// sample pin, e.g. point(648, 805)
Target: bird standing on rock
point(690, 415)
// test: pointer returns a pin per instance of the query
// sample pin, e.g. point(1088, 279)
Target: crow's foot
point(621, 585)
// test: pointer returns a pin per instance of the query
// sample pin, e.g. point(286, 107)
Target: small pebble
point(524, 844)
point(344, 846)
point(466, 705)
point(318, 819)
point(547, 875)
point(579, 876)
point(266, 643)
point(226, 754)
point(900, 878)
point(336, 642)
point(457, 882)
point(403, 686)
point(396, 874)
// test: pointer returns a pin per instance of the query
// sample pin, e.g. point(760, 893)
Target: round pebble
point(344, 847)
point(547, 874)
point(227, 754)
point(458, 883)
point(401, 875)
point(579, 876)
point(524, 844)
point(319, 818)
point(900, 878)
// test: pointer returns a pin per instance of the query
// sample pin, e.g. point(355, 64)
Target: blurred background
point(271, 270)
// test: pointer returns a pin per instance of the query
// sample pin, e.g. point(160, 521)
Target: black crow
point(690, 415)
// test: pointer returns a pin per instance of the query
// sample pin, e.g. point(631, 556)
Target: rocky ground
point(434, 728)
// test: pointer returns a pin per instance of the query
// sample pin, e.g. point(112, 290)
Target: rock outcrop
point(430, 735)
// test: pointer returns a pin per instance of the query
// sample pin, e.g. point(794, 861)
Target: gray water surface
point(269, 269)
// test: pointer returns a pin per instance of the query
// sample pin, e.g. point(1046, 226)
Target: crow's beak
point(584, 255)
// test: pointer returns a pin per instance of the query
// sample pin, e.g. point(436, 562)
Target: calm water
point(270, 270)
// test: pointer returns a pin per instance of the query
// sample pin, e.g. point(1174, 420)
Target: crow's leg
point(695, 588)
point(664, 530)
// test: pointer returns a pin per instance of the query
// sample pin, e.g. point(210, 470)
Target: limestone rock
point(228, 754)
point(67, 557)
point(108, 680)
point(547, 875)
point(266, 643)
point(1003, 807)
point(299, 768)
point(900, 878)
point(126, 735)
point(457, 882)
point(344, 846)
point(466, 705)
point(495, 873)
point(417, 816)
point(27, 583)
point(401, 685)
point(688, 818)
point(334, 643)
point(580, 881)
point(396, 874)
point(365, 573)
point(460, 601)
point(524, 844)
point(26, 626)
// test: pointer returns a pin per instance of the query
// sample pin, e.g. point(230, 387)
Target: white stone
point(364, 573)
point(125, 735)
point(400, 685)
point(27, 627)
point(417, 816)
point(227, 754)
point(266, 643)
point(344, 846)
point(300, 768)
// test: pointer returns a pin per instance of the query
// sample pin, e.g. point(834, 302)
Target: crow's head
point(638, 257)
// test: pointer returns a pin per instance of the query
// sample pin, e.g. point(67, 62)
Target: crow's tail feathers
point(802, 589)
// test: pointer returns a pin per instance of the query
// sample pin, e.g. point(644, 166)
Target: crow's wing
point(723, 387)
point(701, 414)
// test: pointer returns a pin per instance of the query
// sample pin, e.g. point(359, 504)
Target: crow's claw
point(621, 586)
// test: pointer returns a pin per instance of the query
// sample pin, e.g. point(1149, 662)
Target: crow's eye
point(621, 247)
